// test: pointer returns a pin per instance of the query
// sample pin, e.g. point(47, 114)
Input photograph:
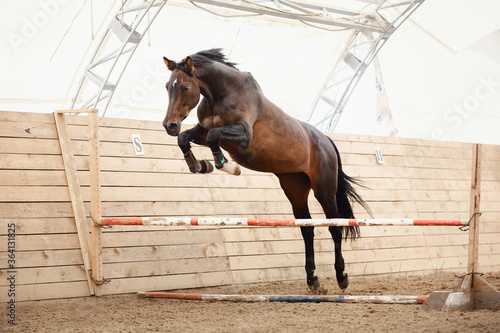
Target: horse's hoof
point(237, 170)
point(344, 283)
point(313, 284)
point(206, 166)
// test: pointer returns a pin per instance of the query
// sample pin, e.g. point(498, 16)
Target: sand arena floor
point(128, 313)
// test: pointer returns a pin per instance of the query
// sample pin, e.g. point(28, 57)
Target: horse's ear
point(190, 65)
point(170, 64)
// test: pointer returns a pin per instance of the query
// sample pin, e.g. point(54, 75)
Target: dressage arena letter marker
point(378, 155)
point(136, 141)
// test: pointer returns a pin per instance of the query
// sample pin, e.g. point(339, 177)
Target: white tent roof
point(441, 69)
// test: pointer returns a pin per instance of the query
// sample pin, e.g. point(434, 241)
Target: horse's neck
point(205, 91)
point(214, 82)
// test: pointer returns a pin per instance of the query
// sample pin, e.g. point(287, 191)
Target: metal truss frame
point(107, 65)
point(370, 25)
point(359, 50)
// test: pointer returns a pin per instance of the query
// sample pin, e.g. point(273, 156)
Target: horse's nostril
point(171, 127)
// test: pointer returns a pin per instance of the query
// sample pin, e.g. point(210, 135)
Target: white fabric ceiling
point(441, 69)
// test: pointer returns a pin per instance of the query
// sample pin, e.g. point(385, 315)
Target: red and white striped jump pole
point(215, 221)
point(394, 299)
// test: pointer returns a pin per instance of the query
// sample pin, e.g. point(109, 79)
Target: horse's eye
point(185, 88)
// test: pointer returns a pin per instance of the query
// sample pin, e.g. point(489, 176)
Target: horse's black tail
point(345, 195)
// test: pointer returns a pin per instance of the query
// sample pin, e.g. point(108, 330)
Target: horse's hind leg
point(297, 187)
point(324, 193)
point(342, 278)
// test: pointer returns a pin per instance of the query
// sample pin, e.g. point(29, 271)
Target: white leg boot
point(231, 168)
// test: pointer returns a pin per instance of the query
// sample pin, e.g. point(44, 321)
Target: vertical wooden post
point(95, 202)
point(463, 298)
point(475, 197)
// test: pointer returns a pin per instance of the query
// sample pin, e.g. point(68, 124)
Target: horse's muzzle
point(173, 129)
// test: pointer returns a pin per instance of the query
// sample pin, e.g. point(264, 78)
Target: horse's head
point(183, 94)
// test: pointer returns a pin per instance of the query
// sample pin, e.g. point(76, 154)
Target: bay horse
point(235, 115)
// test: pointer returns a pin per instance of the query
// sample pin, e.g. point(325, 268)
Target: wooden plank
point(458, 153)
point(491, 175)
point(119, 149)
point(29, 146)
point(489, 206)
point(491, 153)
point(32, 178)
point(361, 171)
point(34, 194)
point(410, 241)
point(168, 282)
point(35, 292)
point(162, 252)
point(407, 266)
point(163, 267)
point(123, 135)
point(368, 148)
point(422, 162)
point(168, 236)
point(440, 206)
point(44, 258)
point(123, 123)
point(451, 185)
point(31, 162)
point(23, 210)
point(45, 242)
point(75, 195)
point(386, 183)
point(172, 180)
point(39, 226)
point(352, 158)
point(51, 274)
point(274, 274)
point(37, 118)
point(137, 194)
point(434, 143)
point(438, 174)
point(156, 208)
point(489, 227)
point(135, 164)
point(27, 129)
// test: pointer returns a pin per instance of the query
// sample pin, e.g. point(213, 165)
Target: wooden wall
point(419, 179)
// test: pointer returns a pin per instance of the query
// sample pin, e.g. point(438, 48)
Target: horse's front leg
point(198, 135)
point(239, 134)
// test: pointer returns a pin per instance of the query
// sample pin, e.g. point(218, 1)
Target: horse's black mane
point(207, 57)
